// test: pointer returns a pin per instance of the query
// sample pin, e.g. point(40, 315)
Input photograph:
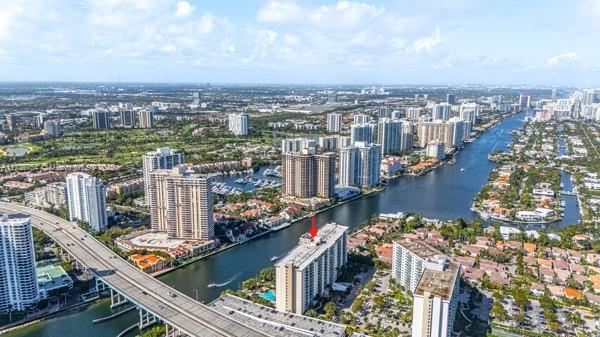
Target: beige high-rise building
point(306, 175)
point(439, 131)
point(326, 175)
point(145, 119)
point(182, 203)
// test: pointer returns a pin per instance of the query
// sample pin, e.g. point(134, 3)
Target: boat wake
point(218, 285)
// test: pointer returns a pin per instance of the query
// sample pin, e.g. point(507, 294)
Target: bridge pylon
point(146, 319)
point(116, 299)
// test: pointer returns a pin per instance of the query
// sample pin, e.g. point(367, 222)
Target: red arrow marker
point(313, 228)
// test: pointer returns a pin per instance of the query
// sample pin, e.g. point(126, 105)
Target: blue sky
point(551, 42)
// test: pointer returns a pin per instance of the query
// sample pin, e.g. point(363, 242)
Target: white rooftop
point(309, 249)
point(158, 239)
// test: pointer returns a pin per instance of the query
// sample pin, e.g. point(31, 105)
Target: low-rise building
point(52, 279)
point(149, 263)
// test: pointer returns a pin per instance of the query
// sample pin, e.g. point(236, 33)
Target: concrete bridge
point(157, 303)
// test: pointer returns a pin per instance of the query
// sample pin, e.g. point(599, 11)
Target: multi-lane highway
point(171, 306)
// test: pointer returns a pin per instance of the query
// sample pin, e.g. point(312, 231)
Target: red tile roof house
point(574, 256)
point(560, 265)
point(546, 274)
point(593, 298)
point(483, 241)
point(437, 240)
point(471, 250)
point(579, 278)
point(562, 274)
point(490, 266)
point(494, 250)
point(465, 261)
point(421, 232)
point(593, 258)
point(500, 278)
point(412, 236)
point(545, 263)
point(529, 260)
point(472, 274)
point(559, 253)
point(384, 252)
point(514, 245)
point(573, 293)
point(363, 236)
point(556, 291)
point(354, 243)
point(577, 269)
point(537, 289)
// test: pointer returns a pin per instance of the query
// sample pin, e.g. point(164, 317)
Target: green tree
point(329, 308)
point(498, 311)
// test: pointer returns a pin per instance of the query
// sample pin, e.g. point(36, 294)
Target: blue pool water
point(269, 295)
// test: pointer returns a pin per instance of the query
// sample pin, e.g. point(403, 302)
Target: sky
point(537, 42)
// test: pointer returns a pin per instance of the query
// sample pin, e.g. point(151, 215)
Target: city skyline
point(319, 42)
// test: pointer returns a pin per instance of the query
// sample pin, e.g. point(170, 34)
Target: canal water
point(445, 193)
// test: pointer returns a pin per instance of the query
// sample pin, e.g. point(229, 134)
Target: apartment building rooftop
point(309, 248)
point(273, 322)
point(419, 248)
point(439, 283)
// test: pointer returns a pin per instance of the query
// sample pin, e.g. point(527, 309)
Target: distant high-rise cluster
point(238, 124)
point(86, 198)
point(181, 203)
point(18, 281)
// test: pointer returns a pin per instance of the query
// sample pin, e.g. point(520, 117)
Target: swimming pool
point(269, 295)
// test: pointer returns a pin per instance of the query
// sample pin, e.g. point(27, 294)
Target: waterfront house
point(148, 263)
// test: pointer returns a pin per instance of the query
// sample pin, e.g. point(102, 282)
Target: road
point(171, 306)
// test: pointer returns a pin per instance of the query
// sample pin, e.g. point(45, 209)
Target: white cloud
point(8, 15)
point(561, 58)
point(280, 11)
point(169, 48)
point(345, 15)
point(184, 8)
point(429, 43)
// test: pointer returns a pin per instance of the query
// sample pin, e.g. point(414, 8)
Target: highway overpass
point(156, 301)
